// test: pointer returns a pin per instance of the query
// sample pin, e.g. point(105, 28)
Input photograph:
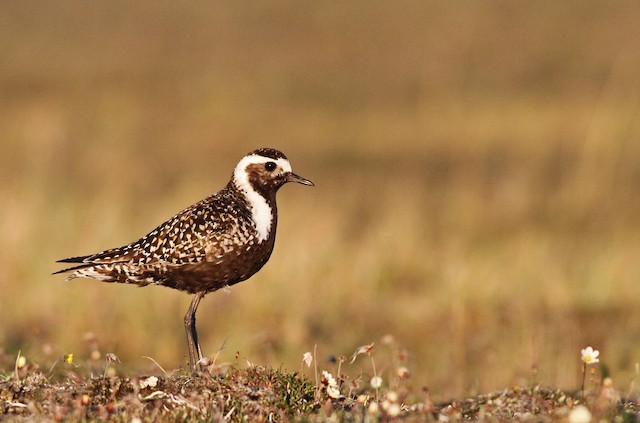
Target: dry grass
point(71, 391)
point(477, 171)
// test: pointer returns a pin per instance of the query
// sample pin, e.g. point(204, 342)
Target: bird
point(217, 242)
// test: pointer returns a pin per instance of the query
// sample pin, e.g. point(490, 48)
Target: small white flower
point(333, 392)
point(394, 409)
point(331, 385)
point(580, 414)
point(307, 358)
point(376, 382)
point(590, 356)
point(151, 382)
point(327, 378)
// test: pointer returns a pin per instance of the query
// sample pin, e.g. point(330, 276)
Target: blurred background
point(477, 168)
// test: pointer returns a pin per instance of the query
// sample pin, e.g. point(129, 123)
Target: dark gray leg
point(195, 354)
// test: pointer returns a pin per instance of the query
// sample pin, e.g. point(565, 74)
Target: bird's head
point(264, 171)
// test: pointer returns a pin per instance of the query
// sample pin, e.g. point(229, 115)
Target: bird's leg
point(195, 354)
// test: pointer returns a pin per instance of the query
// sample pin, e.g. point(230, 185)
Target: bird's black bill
point(292, 177)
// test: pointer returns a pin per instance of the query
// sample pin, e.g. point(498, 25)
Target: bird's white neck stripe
point(261, 212)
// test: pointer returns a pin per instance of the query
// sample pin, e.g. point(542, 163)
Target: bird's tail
point(80, 259)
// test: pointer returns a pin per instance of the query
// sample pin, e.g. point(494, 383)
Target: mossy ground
point(266, 394)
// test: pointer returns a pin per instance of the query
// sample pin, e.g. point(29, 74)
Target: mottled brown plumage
point(217, 242)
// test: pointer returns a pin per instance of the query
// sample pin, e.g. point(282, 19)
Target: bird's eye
point(270, 166)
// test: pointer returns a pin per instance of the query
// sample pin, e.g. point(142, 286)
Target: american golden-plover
point(217, 242)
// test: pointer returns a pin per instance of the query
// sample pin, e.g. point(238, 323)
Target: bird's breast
point(222, 268)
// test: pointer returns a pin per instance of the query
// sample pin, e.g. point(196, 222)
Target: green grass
point(477, 176)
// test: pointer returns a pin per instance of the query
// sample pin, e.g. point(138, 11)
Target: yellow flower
point(21, 362)
point(68, 358)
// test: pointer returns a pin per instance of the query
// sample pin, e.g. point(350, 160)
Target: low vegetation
point(257, 393)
